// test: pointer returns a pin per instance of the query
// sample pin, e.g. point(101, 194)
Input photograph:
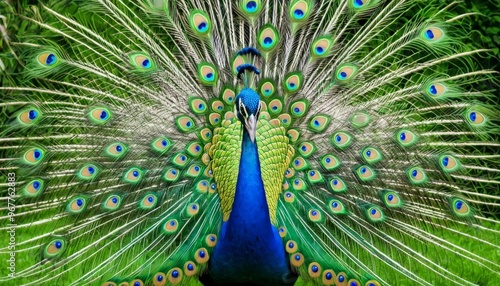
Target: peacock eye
point(243, 110)
point(258, 110)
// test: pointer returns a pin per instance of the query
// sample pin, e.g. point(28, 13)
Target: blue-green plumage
point(250, 249)
point(147, 142)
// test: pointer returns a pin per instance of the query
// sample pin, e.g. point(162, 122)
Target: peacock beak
point(251, 126)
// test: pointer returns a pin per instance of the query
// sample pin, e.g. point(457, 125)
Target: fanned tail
point(106, 150)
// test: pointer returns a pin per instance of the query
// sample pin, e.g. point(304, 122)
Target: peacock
point(249, 142)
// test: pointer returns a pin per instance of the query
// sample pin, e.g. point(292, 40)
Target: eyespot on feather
point(275, 106)
point(211, 240)
point(267, 88)
point(201, 256)
point(207, 74)
point(476, 118)
point(116, 150)
point(336, 207)
point(289, 197)
point(34, 188)
point(321, 47)
point(285, 185)
point(416, 175)
point(88, 172)
point(217, 106)
point(251, 7)
point(142, 62)
point(48, 59)
point(133, 175)
point(192, 209)
point(289, 173)
point(345, 72)
point(315, 215)
point(228, 95)
point(341, 139)
point(306, 149)
point(330, 162)
point(314, 176)
point(185, 123)
point(299, 163)
point(341, 279)
point(353, 282)
point(33, 156)
point(214, 119)
point(54, 248)
point(199, 22)
point(300, 10)
point(285, 119)
point(338, 185)
point(175, 275)
point(360, 119)
point(298, 184)
point(161, 145)
point(194, 149)
point(136, 282)
point(180, 160)
point(99, 115)
point(391, 199)
point(170, 226)
point(319, 123)
point(432, 34)
point(362, 5)
point(171, 175)
point(268, 38)
point(371, 155)
point(190, 268)
point(206, 134)
point(365, 173)
point(374, 214)
point(112, 203)
point(293, 135)
point(296, 259)
point(148, 202)
point(405, 138)
point(29, 116)
point(291, 246)
point(314, 270)
point(372, 283)
point(198, 105)
point(329, 277)
point(76, 205)
point(299, 107)
point(449, 163)
point(435, 90)
point(293, 82)
point(159, 279)
point(460, 208)
point(282, 231)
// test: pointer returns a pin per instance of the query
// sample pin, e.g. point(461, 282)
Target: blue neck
point(249, 247)
point(250, 197)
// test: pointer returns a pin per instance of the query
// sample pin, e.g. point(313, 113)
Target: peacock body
point(161, 142)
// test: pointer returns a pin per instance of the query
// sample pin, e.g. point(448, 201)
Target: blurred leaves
point(486, 26)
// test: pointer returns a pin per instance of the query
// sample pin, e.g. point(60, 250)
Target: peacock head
point(247, 109)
